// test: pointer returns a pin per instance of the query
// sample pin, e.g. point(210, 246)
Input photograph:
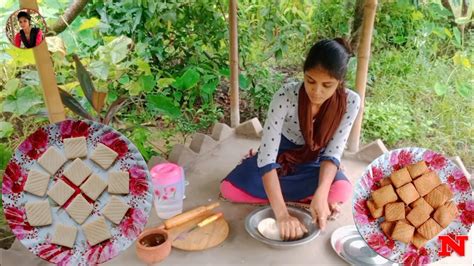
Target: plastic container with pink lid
point(168, 185)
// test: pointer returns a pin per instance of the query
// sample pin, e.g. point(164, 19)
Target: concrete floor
point(204, 175)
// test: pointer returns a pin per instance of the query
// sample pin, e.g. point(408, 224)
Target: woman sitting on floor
point(304, 136)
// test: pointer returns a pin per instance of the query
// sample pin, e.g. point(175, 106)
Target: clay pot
point(153, 245)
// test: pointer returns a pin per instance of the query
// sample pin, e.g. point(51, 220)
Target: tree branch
point(68, 17)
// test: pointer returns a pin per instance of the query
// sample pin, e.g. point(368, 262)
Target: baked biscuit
point(422, 202)
point(408, 193)
point(118, 182)
point(403, 232)
point(51, 160)
point(436, 198)
point(418, 241)
point(394, 211)
point(75, 147)
point(445, 214)
point(77, 171)
point(38, 213)
point(93, 187)
point(418, 215)
point(429, 229)
point(64, 235)
point(385, 181)
point(96, 231)
point(417, 169)
point(400, 177)
point(79, 209)
point(387, 227)
point(427, 182)
point(37, 182)
point(103, 156)
point(115, 210)
point(384, 195)
point(375, 212)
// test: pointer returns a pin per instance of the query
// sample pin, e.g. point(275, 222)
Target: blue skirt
point(299, 185)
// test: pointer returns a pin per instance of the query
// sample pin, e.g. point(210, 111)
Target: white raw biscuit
point(96, 231)
point(37, 182)
point(79, 209)
point(75, 147)
point(60, 192)
point(93, 186)
point(51, 160)
point(64, 235)
point(269, 229)
point(104, 156)
point(118, 182)
point(38, 213)
point(77, 171)
point(115, 210)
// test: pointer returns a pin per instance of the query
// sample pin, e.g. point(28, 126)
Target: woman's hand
point(290, 227)
point(320, 208)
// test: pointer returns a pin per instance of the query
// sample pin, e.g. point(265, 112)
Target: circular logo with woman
point(26, 28)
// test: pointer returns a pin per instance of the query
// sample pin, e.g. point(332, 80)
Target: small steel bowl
point(252, 220)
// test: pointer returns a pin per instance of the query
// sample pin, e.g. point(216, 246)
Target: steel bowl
point(252, 220)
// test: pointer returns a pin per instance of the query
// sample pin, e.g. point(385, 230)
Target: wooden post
point(363, 55)
point(234, 65)
point(47, 77)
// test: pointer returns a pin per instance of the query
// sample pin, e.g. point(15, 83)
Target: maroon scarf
point(316, 135)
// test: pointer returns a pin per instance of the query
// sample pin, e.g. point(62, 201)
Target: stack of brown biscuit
point(414, 203)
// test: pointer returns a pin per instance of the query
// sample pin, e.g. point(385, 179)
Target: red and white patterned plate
point(383, 166)
point(38, 239)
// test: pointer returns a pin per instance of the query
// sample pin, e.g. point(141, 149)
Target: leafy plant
point(389, 122)
point(96, 99)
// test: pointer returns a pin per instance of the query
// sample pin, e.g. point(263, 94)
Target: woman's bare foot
point(335, 210)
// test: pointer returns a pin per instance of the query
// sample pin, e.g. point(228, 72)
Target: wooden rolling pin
point(187, 216)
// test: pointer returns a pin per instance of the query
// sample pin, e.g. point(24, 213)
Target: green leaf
point(165, 82)
point(163, 105)
point(147, 82)
point(225, 72)
point(30, 78)
point(23, 100)
point(124, 79)
point(10, 87)
point(464, 89)
point(84, 79)
point(119, 48)
point(5, 155)
point(143, 66)
point(210, 87)
point(6, 129)
point(439, 89)
point(71, 103)
point(243, 82)
point(188, 80)
point(457, 36)
point(99, 69)
point(134, 88)
point(89, 23)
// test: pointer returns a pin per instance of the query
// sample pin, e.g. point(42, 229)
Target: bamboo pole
point(47, 77)
point(234, 65)
point(363, 55)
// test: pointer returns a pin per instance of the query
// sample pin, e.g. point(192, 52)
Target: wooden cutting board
point(203, 238)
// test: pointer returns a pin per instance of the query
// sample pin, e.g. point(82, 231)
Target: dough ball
point(268, 228)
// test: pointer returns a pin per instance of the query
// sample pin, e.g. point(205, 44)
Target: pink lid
point(166, 173)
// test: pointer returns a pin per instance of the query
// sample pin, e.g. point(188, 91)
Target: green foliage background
point(171, 60)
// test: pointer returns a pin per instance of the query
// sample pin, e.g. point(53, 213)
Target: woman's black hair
point(23, 14)
point(331, 55)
